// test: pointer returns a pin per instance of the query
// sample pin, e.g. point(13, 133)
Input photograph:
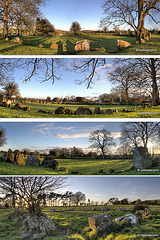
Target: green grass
point(31, 43)
point(75, 223)
point(83, 166)
point(153, 112)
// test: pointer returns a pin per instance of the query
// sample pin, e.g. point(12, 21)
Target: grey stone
point(121, 209)
point(64, 111)
point(105, 209)
point(32, 160)
point(132, 219)
point(141, 158)
point(100, 222)
point(37, 226)
point(63, 169)
point(52, 210)
point(50, 163)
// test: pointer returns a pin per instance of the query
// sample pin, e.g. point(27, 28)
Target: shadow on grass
point(9, 48)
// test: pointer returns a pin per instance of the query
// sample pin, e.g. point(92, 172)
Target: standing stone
point(50, 163)
point(100, 222)
point(141, 158)
point(10, 156)
point(18, 158)
point(83, 45)
point(32, 160)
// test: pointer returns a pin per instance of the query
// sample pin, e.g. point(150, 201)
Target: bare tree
point(11, 8)
point(101, 140)
point(139, 133)
point(132, 13)
point(78, 197)
point(27, 189)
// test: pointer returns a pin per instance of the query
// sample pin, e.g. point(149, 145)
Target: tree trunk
point(141, 33)
point(5, 20)
point(103, 153)
point(155, 90)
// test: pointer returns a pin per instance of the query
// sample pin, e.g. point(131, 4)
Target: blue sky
point(66, 86)
point(44, 136)
point(103, 188)
point(88, 13)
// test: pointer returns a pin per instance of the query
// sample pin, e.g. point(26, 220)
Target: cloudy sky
point(103, 188)
point(44, 136)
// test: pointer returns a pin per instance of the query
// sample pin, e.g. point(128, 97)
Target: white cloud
point(116, 134)
point(76, 135)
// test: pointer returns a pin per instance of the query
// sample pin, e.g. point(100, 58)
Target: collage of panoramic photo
point(80, 132)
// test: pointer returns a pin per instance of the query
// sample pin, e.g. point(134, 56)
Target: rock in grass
point(40, 45)
point(132, 219)
point(100, 222)
point(27, 109)
point(63, 111)
point(49, 162)
point(83, 111)
point(122, 44)
point(16, 40)
point(32, 160)
point(18, 106)
point(109, 111)
point(98, 110)
point(83, 45)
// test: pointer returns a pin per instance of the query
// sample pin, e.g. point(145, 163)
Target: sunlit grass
point(31, 43)
point(153, 112)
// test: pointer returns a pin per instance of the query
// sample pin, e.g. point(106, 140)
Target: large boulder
point(37, 226)
point(32, 160)
point(50, 163)
point(83, 111)
point(18, 106)
point(132, 219)
point(100, 222)
point(121, 209)
point(16, 40)
point(122, 44)
point(98, 110)
point(18, 158)
point(109, 111)
point(141, 158)
point(83, 45)
point(64, 111)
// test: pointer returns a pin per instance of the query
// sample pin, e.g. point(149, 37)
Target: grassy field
point(75, 223)
point(30, 46)
point(153, 112)
point(83, 166)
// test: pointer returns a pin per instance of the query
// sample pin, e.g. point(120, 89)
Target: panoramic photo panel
point(68, 208)
point(99, 27)
point(81, 87)
point(80, 148)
